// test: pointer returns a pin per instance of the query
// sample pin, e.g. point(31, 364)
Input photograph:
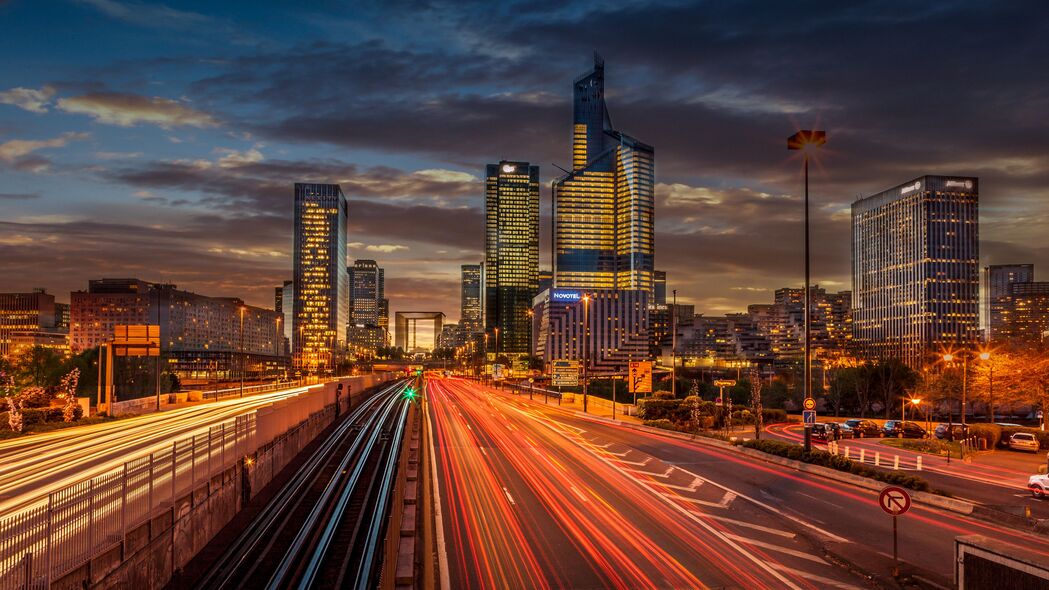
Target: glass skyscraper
point(470, 299)
point(367, 290)
point(603, 209)
point(915, 268)
point(511, 253)
point(322, 303)
point(998, 292)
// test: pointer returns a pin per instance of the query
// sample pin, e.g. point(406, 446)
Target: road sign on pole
point(809, 417)
point(640, 377)
point(894, 501)
point(564, 373)
point(809, 403)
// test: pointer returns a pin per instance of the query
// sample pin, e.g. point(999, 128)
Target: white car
point(1023, 441)
point(1038, 484)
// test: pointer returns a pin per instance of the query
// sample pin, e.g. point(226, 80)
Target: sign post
point(810, 410)
point(894, 501)
point(531, 380)
point(721, 384)
point(640, 378)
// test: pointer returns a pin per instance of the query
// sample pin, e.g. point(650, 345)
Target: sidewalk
point(572, 402)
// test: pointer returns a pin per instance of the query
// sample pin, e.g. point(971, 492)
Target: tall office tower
point(367, 289)
point(470, 299)
point(603, 208)
point(511, 252)
point(659, 287)
point(546, 280)
point(287, 310)
point(278, 297)
point(999, 279)
point(321, 282)
point(915, 268)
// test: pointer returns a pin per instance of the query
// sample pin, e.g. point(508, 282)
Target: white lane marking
point(509, 497)
point(723, 503)
point(483, 451)
point(750, 525)
point(774, 547)
point(696, 482)
point(637, 463)
point(580, 494)
point(810, 576)
point(663, 475)
point(442, 549)
point(773, 509)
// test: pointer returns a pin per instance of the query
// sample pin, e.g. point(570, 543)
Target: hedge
point(838, 462)
point(34, 416)
point(996, 435)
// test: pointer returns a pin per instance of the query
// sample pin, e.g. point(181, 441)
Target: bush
point(1007, 431)
point(663, 409)
point(991, 433)
point(663, 395)
point(773, 416)
point(35, 416)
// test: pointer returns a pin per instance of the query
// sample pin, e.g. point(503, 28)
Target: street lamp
point(586, 347)
point(986, 356)
point(807, 141)
point(242, 310)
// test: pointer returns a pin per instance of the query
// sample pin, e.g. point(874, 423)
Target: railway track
point(324, 527)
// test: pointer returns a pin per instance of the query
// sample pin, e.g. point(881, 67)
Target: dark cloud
point(18, 196)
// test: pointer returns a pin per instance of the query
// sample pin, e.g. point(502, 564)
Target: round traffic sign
point(531, 380)
point(809, 403)
point(894, 500)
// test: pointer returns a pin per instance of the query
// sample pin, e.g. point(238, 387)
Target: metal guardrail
point(43, 542)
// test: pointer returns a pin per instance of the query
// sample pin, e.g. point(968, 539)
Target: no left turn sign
point(894, 501)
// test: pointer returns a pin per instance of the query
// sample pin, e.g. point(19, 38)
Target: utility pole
point(673, 346)
point(242, 308)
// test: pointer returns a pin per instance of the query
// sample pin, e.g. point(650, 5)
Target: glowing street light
point(806, 141)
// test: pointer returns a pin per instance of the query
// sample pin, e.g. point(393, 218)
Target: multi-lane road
point(33, 466)
point(534, 497)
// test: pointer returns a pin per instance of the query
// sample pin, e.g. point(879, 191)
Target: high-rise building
point(659, 287)
point(1028, 318)
point(604, 208)
point(367, 290)
point(546, 280)
point(619, 331)
point(202, 337)
point(32, 319)
point(999, 279)
point(287, 311)
point(321, 310)
point(511, 252)
point(278, 297)
point(470, 299)
point(915, 268)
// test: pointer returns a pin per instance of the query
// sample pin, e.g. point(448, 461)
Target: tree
point(755, 402)
point(893, 379)
point(39, 366)
point(67, 390)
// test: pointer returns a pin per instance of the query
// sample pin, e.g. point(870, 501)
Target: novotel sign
point(566, 296)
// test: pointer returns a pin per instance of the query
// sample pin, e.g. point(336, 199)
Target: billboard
point(565, 296)
point(564, 373)
point(141, 340)
point(497, 371)
point(641, 377)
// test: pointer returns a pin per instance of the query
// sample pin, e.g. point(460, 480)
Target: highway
point(33, 466)
point(533, 496)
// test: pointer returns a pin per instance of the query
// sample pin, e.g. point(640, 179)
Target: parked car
point(864, 428)
point(1038, 484)
point(894, 428)
point(960, 430)
point(1023, 441)
point(822, 431)
point(844, 430)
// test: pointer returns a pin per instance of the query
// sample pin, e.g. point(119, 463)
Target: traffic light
point(409, 394)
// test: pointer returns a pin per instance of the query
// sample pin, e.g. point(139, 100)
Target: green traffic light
point(409, 393)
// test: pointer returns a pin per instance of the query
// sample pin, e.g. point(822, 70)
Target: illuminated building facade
point(511, 253)
point(202, 337)
point(1029, 312)
point(604, 208)
point(999, 279)
point(31, 318)
point(470, 299)
point(367, 289)
point(915, 268)
point(619, 331)
point(322, 303)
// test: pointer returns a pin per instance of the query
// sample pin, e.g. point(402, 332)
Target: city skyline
point(198, 191)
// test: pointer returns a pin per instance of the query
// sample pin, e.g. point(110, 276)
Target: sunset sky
point(162, 141)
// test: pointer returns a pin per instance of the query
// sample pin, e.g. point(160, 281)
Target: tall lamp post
point(986, 356)
point(586, 348)
point(242, 310)
point(673, 347)
point(806, 141)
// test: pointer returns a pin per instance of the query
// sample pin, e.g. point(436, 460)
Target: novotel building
point(619, 326)
point(915, 269)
